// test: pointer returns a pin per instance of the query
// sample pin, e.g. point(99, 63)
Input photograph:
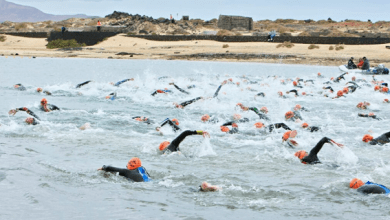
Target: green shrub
point(130, 33)
point(339, 47)
point(20, 26)
point(225, 46)
point(59, 43)
point(331, 48)
point(2, 38)
point(287, 44)
point(313, 46)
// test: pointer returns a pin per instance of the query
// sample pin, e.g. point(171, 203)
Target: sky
point(375, 10)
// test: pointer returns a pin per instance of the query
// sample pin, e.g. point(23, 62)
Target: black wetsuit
point(50, 107)
point(261, 115)
point(328, 87)
point(312, 157)
point(216, 92)
point(352, 88)
point(133, 175)
point(367, 116)
point(83, 84)
point(174, 145)
point(260, 94)
point(339, 78)
point(233, 130)
point(383, 139)
point(313, 128)
point(180, 89)
point(294, 91)
point(21, 87)
point(120, 82)
point(351, 64)
point(310, 80)
point(277, 126)
point(28, 111)
point(171, 123)
point(47, 92)
point(190, 101)
point(372, 188)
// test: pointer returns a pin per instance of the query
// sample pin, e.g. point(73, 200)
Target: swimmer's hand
point(158, 128)
point(101, 168)
point(340, 145)
point(206, 134)
point(12, 112)
point(224, 82)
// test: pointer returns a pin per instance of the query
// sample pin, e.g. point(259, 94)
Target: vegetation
point(339, 47)
point(287, 44)
point(2, 38)
point(20, 26)
point(313, 46)
point(225, 46)
point(225, 33)
point(59, 43)
point(331, 48)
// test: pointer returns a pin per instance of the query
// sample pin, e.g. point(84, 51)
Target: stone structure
point(229, 22)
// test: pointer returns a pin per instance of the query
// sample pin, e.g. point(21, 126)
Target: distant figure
point(98, 25)
point(271, 36)
point(63, 29)
point(351, 64)
point(366, 64)
point(360, 64)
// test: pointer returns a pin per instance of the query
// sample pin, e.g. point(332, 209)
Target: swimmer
point(85, 126)
point(281, 95)
point(178, 88)
point(142, 119)
point(295, 84)
point(39, 90)
point(320, 76)
point(310, 128)
point(339, 94)
point(83, 84)
point(262, 94)
point(173, 123)
point(31, 121)
point(123, 81)
point(363, 105)
point(310, 80)
point(368, 187)
point(111, 96)
point(312, 158)
point(209, 118)
point(184, 104)
point(28, 111)
point(47, 107)
point(134, 171)
point(293, 116)
point(219, 88)
point(330, 88)
point(160, 91)
point(300, 108)
point(352, 88)
point(294, 91)
point(20, 87)
point(369, 115)
point(271, 127)
point(167, 147)
point(383, 139)
point(287, 136)
point(206, 187)
point(255, 110)
point(225, 129)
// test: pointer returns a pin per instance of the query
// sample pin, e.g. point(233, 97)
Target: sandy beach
point(188, 50)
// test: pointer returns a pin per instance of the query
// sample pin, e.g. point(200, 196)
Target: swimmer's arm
point(82, 84)
point(318, 147)
point(282, 125)
point(178, 88)
point(254, 109)
point(190, 101)
point(121, 171)
point(228, 123)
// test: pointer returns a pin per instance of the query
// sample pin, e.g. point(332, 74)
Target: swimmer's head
point(376, 88)
point(345, 90)
point(236, 116)
point(297, 107)
point(43, 101)
point(133, 163)
point(108, 97)
point(264, 109)
point(231, 80)
point(29, 120)
point(318, 74)
point(16, 86)
point(280, 93)
point(164, 145)
point(175, 121)
point(224, 129)
point(160, 91)
point(303, 93)
point(39, 89)
point(353, 78)
point(234, 125)
point(286, 135)
point(305, 125)
point(238, 83)
point(295, 83)
point(340, 93)
point(367, 138)
point(301, 154)
point(289, 115)
point(259, 125)
point(239, 104)
point(356, 183)
point(205, 117)
point(386, 100)
point(331, 78)
point(385, 89)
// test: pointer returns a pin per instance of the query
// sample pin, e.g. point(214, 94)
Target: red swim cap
point(224, 129)
point(303, 93)
point(376, 88)
point(386, 100)
point(259, 125)
point(289, 115)
point(286, 135)
point(160, 91)
point(205, 117)
point(239, 104)
point(133, 163)
point(305, 125)
point(385, 89)
point(331, 78)
point(355, 183)
point(300, 154)
point(345, 90)
point(39, 89)
point(175, 121)
point(164, 145)
point(295, 83)
point(234, 125)
point(367, 138)
point(43, 101)
point(340, 93)
point(280, 93)
point(29, 120)
point(298, 107)
point(319, 74)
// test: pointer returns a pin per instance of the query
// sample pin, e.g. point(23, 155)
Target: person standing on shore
point(99, 25)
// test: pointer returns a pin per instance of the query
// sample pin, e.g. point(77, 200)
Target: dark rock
point(16, 54)
point(143, 32)
point(387, 47)
point(126, 53)
point(110, 58)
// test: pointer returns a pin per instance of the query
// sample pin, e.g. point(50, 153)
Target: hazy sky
point(257, 9)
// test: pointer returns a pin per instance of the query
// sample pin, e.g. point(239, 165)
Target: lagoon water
point(49, 171)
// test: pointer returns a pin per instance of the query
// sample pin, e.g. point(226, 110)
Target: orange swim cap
point(340, 93)
point(224, 129)
point(305, 125)
point(239, 104)
point(319, 74)
point(298, 107)
point(133, 163)
point(164, 145)
point(175, 121)
point(234, 125)
point(138, 119)
point(205, 117)
point(236, 116)
point(289, 115)
point(231, 80)
point(386, 100)
point(286, 135)
point(39, 89)
point(264, 109)
point(355, 183)
point(43, 101)
point(376, 88)
point(345, 90)
point(385, 89)
point(303, 93)
point(300, 154)
point(160, 91)
point(331, 78)
point(295, 83)
point(259, 125)
point(367, 138)
point(280, 93)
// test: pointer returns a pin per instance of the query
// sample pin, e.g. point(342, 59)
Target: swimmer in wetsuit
point(383, 139)
point(369, 115)
point(29, 120)
point(368, 187)
point(312, 158)
point(294, 91)
point(134, 171)
point(292, 116)
point(178, 88)
point(39, 90)
point(143, 119)
point(271, 127)
point(311, 128)
point(208, 118)
point(173, 123)
point(123, 81)
point(83, 84)
point(20, 87)
point(47, 107)
point(255, 110)
point(167, 147)
point(184, 104)
point(160, 91)
point(225, 129)
point(111, 96)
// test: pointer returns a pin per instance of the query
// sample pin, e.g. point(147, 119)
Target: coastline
point(122, 47)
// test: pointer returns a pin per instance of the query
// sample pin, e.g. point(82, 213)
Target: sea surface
point(49, 171)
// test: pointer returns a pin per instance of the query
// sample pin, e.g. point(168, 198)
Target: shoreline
point(123, 47)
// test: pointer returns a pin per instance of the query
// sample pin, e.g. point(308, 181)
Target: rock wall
point(89, 38)
point(238, 22)
point(28, 34)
